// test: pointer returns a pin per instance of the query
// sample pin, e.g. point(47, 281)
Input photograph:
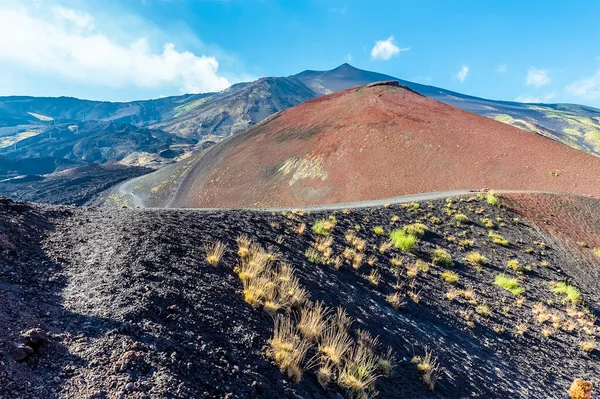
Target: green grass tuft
point(498, 239)
point(323, 227)
point(492, 199)
point(509, 283)
point(402, 240)
point(569, 292)
point(416, 229)
point(441, 257)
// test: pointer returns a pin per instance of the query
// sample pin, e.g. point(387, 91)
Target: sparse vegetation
point(378, 230)
point(568, 292)
point(374, 278)
point(287, 348)
point(441, 257)
point(323, 227)
point(416, 229)
point(597, 251)
point(483, 310)
point(476, 260)
point(461, 218)
point(498, 239)
point(450, 277)
point(335, 343)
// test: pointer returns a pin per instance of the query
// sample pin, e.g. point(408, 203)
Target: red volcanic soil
point(571, 219)
point(378, 141)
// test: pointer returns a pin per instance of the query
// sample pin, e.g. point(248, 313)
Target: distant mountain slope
point(238, 108)
point(378, 141)
point(245, 104)
point(96, 142)
point(22, 110)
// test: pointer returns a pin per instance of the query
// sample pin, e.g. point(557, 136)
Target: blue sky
point(135, 49)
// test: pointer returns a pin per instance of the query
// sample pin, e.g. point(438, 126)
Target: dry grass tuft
point(429, 368)
point(581, 389)
point(396, 300)
point(359, 371)
point(214, 252)
point(312, 320)
point(244, 243)
point(334, 343)
point(287, 348)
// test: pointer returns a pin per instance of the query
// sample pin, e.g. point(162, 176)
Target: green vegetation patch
point(510, 284)
point(569, 292)
point(403, 240)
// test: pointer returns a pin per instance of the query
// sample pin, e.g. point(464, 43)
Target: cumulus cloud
point(501, 68)
point(588, 88)
point(462, 74)
point(68, 43)
point(537, 77)
point(386, 49)
point(526, 98)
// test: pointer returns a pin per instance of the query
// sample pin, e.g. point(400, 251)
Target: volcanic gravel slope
point(378, 141)
point(133, 310)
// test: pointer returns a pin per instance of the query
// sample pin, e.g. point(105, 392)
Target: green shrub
point(476, 259)
point(441, 257)
point(450, 277)
point(461, 218)
point(514, 265)
point(510, 284)
point(323, 227)
point(378, 230)
point(569, 292)
point(402, 240)
point(597, 251)
point(498, 239)
point(416, 229)
point(492, 199)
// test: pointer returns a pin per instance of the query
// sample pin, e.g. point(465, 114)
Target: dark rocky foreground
point(128, 307)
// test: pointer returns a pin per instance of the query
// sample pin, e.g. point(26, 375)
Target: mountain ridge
point(242, 105)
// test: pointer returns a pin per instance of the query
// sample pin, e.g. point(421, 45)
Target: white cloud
point(386, 49)
point(462, 74)
point(67, 43)
point(588, 88)
point(501, 68)
point(348, 57)
point(537, 77)
point(78, 19)
point(526, 98)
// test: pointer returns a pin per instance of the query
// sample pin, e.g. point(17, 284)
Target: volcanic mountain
point(377, 141)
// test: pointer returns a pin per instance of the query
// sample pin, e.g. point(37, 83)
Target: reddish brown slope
point(378, 141)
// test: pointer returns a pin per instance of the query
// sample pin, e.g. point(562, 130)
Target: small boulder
point(34, 338)
point(22, 352)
